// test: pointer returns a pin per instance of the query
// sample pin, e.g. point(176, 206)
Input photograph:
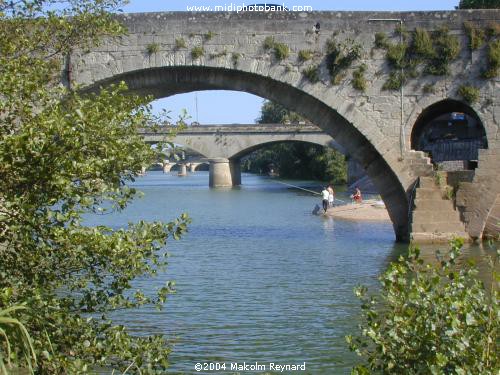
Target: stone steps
point(434, 219)
point(432, 204)
point(439, 227)
point(419, 163)
point(427, 183)
point(428, 193)
point(437, 216)
point(438, 238)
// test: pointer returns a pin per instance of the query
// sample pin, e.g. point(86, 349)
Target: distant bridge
point(223, 146)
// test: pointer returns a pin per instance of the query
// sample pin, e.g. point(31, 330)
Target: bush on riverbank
point(429, 319)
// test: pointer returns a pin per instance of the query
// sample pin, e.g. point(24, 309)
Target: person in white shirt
point(331, 197)
point(325, 194)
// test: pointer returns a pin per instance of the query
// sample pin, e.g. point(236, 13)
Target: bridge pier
point(192, 167)
point(167, 167)
point(224, 172)
point(182, 170)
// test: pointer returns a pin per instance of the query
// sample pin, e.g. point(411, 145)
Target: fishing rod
point(298, 187)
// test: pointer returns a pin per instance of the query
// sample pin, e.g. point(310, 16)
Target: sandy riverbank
point(366, 211)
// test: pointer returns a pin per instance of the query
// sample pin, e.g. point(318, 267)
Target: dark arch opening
point(166, 81)
point(292, 162)
point(451, 133)
point(202, 167)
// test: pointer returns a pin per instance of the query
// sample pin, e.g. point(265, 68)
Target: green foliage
point(401, 30)
point(311, 73)
point(274, 113)
point(492, 30)
point(396, 55)
point(281, 51)
point(422, 44)
point(269, 42)
point(235, 57)
point(440, 178)
point(395, 81)
point(305, 55)
point(469, 93)
point(65, 154)
point(476, 36)
point(153, 48)
point(180, 43)
point(219, 54)
point(429, 88)
point(209, 35)
point(381, 40)
point(359, 80)
point(197, 52)
point(479, 4)
point(429, 319)
point(299, 161)
point(436, 52)
point(493, 57)
point(295, 160)
point(446, 48)
point(16, 341)
point(340, 56)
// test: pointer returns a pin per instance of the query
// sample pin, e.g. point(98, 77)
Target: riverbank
point(366, 211)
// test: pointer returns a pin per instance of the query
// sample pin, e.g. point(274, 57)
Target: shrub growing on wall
point(493, 59)
point(469, 93)
point(340, 56)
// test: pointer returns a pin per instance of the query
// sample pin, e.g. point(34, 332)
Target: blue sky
point(227, 107)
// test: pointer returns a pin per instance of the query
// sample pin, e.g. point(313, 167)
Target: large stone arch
point(166, 81)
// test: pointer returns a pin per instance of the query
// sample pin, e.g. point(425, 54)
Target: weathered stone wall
point(367, 124)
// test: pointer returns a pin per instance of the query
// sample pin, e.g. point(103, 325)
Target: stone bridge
point(286, 58)
point(224, 145)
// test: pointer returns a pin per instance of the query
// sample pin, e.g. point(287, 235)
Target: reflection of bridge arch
point(371, 126)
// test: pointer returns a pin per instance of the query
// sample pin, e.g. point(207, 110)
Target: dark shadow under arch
point(449, 130)
point(166, 81)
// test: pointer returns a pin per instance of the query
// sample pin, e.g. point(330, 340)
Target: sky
point(230, 107)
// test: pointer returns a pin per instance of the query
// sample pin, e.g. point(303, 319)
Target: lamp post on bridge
point(402, 136)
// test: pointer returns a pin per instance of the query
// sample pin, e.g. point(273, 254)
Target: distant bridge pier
point(182, 170)
point(193, 166)
point(167, 166)
point(224, 172)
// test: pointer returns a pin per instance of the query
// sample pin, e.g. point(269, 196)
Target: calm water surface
point(258, 277)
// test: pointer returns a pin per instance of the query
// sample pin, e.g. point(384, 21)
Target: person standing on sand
point(331, 196)
point(325, 194)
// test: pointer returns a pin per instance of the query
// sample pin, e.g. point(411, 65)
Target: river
point(258, 277)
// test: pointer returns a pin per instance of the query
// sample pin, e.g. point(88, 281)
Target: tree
point(479, 4)
point(64, 154)
point(274, 113)
point(296, 160)
point(430, 319)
